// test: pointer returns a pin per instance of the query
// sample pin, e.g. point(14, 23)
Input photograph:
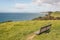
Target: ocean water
point(18, 16)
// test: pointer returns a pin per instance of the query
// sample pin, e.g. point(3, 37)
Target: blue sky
point(6, 3)
point(29, 6)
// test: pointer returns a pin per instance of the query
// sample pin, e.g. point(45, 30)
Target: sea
point(19, 16)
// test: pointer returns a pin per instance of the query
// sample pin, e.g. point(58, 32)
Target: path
point(31, 36)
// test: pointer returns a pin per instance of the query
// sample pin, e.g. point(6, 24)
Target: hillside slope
point(49, 16)
point(56, 14)
point(20, 29)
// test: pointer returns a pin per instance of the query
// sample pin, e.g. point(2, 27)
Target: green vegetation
point(55, 14)
point(20, 29)
point(49, 16)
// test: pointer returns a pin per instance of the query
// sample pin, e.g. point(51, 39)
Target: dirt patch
point(31, 36)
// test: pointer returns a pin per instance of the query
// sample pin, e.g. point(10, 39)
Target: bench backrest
point(45, 28)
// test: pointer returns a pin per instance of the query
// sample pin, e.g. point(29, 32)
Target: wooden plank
point(44, 29)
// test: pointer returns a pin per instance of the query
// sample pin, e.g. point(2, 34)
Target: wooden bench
point(45, 29)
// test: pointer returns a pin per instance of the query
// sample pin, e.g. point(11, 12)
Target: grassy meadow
point(55, 14)
point(20, 29)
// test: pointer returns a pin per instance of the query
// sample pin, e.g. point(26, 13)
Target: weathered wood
point(44, 29)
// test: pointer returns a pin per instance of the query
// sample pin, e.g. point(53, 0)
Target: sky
point(31, 6)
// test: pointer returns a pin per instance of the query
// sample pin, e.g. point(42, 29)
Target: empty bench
point(43, 29)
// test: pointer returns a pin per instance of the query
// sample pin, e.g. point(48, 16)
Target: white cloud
point(37, 6)
point(31, 7)
point(20, 5)
point(36, 2)
point(53, 4)
point(26, 7)
point(46, 1)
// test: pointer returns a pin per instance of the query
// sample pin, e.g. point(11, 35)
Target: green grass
point(56, 14)
point(20, 29)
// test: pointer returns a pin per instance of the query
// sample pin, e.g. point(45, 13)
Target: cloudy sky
point(32, 6)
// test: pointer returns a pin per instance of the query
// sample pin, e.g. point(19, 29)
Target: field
point(19, 30)
point(55, 14)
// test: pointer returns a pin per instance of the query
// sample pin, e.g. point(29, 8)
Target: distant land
point(50, 16)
